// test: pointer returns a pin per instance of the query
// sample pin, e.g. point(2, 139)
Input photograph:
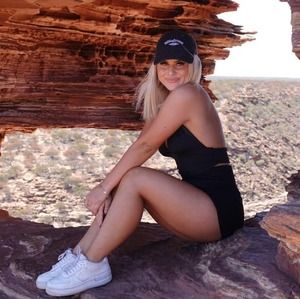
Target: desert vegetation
point(45, 175)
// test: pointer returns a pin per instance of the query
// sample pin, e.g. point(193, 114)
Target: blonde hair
point(150, 93)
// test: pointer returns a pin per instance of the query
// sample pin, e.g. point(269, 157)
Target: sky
point(270, 55)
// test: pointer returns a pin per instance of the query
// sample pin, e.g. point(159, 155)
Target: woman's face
point(172, 73)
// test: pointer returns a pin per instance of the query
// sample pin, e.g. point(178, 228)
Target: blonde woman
point(180, 122)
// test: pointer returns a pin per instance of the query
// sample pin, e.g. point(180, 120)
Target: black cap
point(175, 44)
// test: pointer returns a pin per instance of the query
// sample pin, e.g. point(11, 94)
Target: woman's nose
point(171, 70)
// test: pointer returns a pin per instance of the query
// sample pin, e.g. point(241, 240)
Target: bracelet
point(104, 190)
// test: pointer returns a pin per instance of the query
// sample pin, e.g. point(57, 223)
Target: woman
point(180, 121)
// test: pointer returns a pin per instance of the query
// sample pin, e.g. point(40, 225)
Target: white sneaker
point(81, 276)
point(64, 261)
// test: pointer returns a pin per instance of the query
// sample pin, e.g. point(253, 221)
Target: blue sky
point(270, 55)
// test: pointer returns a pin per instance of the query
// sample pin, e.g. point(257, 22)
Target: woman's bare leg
point(88, 238)
point(176, 205)
point(90, 235)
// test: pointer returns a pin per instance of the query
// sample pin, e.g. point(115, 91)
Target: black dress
point(197, 165)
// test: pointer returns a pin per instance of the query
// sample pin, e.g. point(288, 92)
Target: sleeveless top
point(192, 157)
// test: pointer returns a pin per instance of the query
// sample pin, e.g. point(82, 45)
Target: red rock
point(3, 214)
point(77, 63)
point(283, 223)
point(288, 261)
point(151, 264)
point(295, 21)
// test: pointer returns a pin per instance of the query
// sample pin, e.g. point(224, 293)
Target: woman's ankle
point(77, 249)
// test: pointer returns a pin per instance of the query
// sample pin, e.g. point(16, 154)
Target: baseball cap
point(175, 44)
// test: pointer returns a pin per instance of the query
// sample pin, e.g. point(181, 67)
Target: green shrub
point(61, 207)
point(29, 160)
point(74, 185)
point(71, 153)
point(41, 170)
point(13, 172)
point(81, 148)
point(52, 153)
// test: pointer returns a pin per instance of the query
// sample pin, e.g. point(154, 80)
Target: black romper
point(196, 165)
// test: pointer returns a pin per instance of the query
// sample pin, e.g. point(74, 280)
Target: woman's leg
point(176, 205)
point(88, 238)
point(90, 235)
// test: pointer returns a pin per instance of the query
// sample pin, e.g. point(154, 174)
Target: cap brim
point(168, 53)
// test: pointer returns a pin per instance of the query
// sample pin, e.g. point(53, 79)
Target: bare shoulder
point(189, 94)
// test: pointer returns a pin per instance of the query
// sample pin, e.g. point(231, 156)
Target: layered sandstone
point(77, 63)
point(295, 22)
point(283, 223)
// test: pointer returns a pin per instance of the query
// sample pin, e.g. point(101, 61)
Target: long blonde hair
point(150, 93)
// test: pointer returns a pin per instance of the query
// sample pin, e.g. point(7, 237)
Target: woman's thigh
point(179, 206)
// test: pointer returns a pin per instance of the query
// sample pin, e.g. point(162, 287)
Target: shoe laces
point(78, 263)
point(63, 258)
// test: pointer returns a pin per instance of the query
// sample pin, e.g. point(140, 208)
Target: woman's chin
point(172, 86)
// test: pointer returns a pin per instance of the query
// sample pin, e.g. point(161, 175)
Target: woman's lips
point(171, 81)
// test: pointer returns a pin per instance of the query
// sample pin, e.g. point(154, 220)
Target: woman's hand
point(95, 199)
point(103, 210)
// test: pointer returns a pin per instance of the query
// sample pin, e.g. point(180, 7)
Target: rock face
point(3, 214)
point(77, 63)
point(154, 264)
point(151, 264)
point(295, 21)
point(283, 223)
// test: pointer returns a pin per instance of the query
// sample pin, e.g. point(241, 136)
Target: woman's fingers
point(107, 204)
point(99, 216)
point(102, 210)
point(88, 204)
point(97, 204)
point(93, 203)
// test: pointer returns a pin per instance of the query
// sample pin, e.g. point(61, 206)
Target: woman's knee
point(133, 176)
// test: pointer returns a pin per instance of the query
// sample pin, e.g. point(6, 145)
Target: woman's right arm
point(146, 127)
point(175, 111)
point(93, 198)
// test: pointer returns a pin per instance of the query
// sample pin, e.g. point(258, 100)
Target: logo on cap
point(173, 42)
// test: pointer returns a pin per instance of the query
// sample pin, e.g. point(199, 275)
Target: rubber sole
point(83, 287)
point(41, 285)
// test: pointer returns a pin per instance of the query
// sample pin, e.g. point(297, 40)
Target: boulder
point(283, 223)
point(151, 264)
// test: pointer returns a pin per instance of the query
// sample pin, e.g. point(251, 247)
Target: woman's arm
point(175, 111)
